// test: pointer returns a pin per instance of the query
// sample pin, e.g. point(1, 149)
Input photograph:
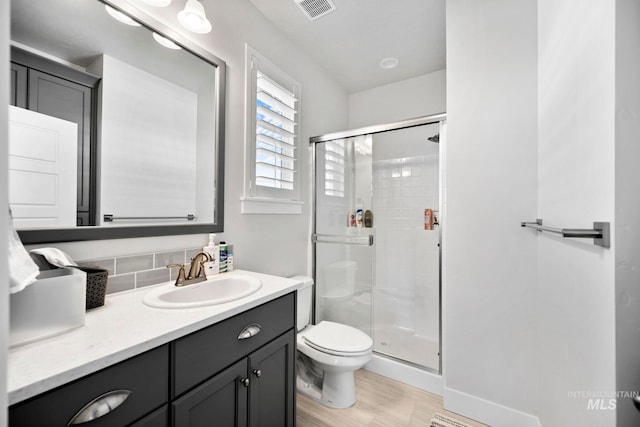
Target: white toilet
point(328, 355)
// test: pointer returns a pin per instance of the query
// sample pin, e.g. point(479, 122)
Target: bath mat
point(439, 420)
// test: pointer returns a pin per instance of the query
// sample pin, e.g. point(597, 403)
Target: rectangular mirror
point(116, 128)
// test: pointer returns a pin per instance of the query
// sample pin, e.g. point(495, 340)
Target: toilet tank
point(305, 300)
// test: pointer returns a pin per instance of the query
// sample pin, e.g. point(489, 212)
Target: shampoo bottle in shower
point(428, 219)
point(351, 221)
point(368, 218)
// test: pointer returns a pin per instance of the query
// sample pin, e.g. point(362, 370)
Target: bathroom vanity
point(232, 363)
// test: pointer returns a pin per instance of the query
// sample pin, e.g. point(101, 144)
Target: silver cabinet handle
point(245, 382)
point(249, 331)
point(100, 406)
point(257, 373)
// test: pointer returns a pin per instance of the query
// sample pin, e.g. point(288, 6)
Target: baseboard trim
point(485, 411)
point(406, 374)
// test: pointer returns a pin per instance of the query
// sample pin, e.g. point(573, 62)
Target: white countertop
point(122, 328)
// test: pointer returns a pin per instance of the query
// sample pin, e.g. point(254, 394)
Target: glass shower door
point(406, 294)
point(344, 251)
point(381, 276)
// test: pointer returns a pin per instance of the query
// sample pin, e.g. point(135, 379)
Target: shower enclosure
point(377, 235)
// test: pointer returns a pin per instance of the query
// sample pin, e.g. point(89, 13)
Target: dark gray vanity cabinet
point(221, 400)
point(18, 94)
point(133, 392)
point(239, 372)
point(257, 391)
point(50, 88)
point(272, 383)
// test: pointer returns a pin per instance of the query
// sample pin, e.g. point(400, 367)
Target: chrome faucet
point(196, 271)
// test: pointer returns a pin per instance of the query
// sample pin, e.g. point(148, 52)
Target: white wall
point(627, 195)
point(554, 144)
point(4, 137)
point(490, 353)
point(271, 243)
point(276, 244)
point(576, 186)
point(419, 96)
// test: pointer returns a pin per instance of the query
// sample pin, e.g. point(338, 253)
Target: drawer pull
point(245, 382)
point(257, 373)
point(100, 406)
point(249, 331)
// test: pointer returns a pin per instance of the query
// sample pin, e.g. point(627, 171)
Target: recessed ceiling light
point(119, 16)
point(389, 63)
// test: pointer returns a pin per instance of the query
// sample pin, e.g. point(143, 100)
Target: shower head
point(435, 138)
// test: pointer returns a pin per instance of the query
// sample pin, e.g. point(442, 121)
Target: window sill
point(259, 205)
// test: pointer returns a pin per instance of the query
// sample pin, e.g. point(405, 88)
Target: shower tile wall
point(406, 297)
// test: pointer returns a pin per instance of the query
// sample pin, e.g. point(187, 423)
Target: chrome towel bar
point(111, 217)
point(600, 232)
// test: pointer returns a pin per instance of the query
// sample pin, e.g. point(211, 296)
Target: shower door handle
point(343, 240)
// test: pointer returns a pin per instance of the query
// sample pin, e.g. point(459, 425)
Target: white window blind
point(334, 167)
point(275, 144)
point(272, 177)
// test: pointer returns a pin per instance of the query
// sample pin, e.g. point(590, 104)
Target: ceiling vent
point(315, 9)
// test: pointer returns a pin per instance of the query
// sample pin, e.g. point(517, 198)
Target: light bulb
point(165, 41)
point(121, 17)
point(193, 17)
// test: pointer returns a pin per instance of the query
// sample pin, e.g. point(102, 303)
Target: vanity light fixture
point(121, 17)
point(165, 41)
point(157, 3)
point(193, 17)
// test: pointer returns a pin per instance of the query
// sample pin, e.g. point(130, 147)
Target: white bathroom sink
point(221, 289)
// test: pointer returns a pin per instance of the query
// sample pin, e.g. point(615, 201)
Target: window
point(272, 177)
point(275, 135)
point(334, 168)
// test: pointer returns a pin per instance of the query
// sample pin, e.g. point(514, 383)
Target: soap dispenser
point(212, 267)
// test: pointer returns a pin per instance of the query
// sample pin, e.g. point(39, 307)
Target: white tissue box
point(52, 305)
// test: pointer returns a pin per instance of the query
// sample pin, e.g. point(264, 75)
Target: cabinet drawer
point(206, 352)
point(144, 376)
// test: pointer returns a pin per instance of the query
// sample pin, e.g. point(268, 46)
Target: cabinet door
point(73, 102)
point(272, 389)
point(220, 401)
point(18, 94)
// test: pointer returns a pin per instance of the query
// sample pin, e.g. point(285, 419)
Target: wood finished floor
point(381, 403)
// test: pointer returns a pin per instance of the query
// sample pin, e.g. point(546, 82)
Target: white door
point(42, 169)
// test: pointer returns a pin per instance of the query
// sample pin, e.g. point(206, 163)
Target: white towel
point(22, 270)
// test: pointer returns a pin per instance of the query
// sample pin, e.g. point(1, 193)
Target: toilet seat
point(337, 339)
